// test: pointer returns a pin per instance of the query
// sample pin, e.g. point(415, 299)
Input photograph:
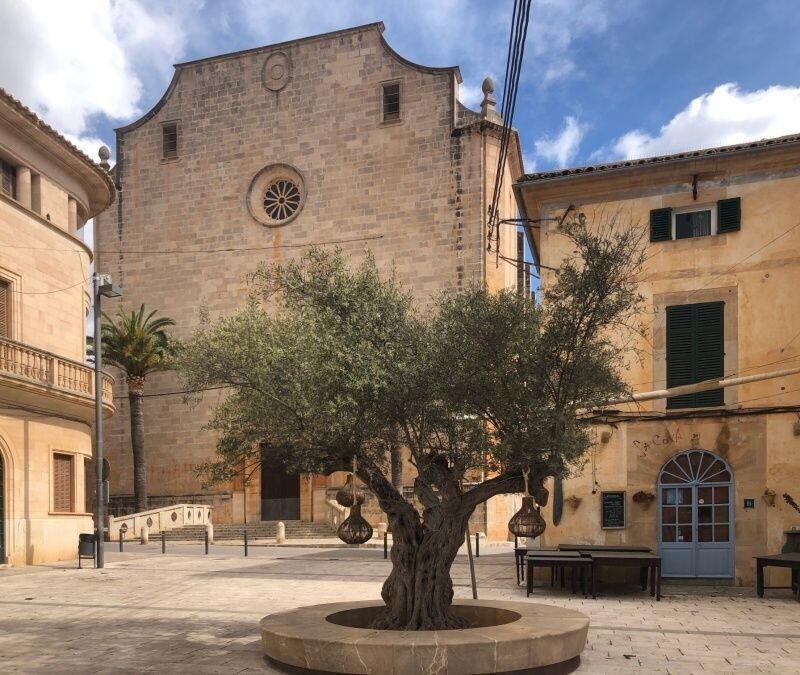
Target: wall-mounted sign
point(749, 503)
point(612, 510)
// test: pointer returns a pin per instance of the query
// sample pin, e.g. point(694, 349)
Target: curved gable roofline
point(455, 70)
point(377, 26)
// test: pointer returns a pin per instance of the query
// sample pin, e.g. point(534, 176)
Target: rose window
point(281, 200)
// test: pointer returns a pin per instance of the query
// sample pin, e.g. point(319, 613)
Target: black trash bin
point(86, 547)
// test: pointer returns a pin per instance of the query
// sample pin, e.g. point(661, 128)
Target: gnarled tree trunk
point(419, 591)
point(135, 394)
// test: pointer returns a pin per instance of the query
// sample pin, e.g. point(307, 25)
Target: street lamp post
point(102, 287)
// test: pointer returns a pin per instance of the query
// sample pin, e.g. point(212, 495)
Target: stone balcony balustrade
point(41, 380)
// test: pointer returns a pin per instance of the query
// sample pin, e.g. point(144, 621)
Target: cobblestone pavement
point(188, 613)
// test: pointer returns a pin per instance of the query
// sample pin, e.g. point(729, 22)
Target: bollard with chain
point(163, 541)
point(245, 542)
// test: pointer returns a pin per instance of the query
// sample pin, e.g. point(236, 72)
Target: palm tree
point(138, 345)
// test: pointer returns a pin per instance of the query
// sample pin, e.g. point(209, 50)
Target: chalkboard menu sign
point(612, 510)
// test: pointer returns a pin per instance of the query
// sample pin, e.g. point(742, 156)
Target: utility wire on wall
point(516, 49)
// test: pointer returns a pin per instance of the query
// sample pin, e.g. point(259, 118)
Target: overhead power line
point(516, 49)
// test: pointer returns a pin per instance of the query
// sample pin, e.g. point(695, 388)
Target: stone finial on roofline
point(488, 110)
point(104, 153)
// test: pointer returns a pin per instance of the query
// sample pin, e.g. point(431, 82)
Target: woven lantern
point(348, 495)
point(527, 522)
point(354, 529)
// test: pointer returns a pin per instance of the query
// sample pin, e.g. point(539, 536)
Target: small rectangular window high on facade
point(391, 102)
point(8, 179)
point(169, 140)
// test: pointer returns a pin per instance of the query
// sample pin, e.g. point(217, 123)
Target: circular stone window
point(276, 195)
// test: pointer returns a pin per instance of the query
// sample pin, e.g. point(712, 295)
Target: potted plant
point(644, 498)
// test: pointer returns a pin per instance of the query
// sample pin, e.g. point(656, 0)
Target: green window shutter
point(695, 352)
point(680, 353)
point(660, 224)
point(729, 215)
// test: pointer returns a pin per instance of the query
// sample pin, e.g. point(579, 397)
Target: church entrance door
point(280, 491)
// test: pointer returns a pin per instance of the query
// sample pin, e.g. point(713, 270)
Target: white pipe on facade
point(705, 385)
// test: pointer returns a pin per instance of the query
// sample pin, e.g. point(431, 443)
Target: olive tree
point(326, 363)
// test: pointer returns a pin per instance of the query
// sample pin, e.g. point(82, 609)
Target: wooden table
point(642, 560)
point(576, 562)
point(790, 560)
point(521, 551)
point(616, 548)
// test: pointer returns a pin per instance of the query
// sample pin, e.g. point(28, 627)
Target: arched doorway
point(695, 516)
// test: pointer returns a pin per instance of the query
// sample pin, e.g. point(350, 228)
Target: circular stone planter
point(508, 637)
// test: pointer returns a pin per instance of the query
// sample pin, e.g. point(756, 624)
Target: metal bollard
point(385, 545)
point(245, 542)
point(120, 540)
point(206, 542)
point(477, 546)
point(163, 541)
point(516, 541)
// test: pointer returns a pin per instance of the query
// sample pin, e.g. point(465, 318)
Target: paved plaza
point(188, 613)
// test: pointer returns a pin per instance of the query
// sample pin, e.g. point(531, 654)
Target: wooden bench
point(573, 562)
point(644, 561)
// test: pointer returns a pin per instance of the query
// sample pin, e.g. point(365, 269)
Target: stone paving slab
point(188, 613)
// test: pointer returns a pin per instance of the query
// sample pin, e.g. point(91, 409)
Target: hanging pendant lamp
point(354, 529)
point(528, 521)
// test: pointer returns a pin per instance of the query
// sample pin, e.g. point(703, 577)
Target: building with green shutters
point(700, 476)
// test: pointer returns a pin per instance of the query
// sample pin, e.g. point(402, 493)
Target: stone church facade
point(332, 139)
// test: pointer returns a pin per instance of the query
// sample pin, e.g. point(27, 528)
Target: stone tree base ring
point(508, 637)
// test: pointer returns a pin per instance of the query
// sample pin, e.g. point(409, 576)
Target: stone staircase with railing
point(295, 529)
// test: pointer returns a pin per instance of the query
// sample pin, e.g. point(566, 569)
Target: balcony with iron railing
point(34, 379)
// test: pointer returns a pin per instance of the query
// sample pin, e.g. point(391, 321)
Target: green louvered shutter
point(680, 353)
point(729, 215)
point(660, 224)
point(695, 352)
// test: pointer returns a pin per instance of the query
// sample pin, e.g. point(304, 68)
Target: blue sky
point(602, 79)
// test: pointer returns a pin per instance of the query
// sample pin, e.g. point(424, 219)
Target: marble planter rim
point(545, 638)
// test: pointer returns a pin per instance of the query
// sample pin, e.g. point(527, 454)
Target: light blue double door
point(695, 523)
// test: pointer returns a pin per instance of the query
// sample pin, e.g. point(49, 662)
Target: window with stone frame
point(391, 101)
point(169, 140)
point(63, 483)
point(5, 308)
point(8, 179)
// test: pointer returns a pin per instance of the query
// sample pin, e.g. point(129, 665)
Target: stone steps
point(295, 529)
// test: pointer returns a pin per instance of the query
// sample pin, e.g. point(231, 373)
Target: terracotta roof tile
point(662, 159)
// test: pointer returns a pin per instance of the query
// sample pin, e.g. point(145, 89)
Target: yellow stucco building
point(48, 191)
point(698, 477)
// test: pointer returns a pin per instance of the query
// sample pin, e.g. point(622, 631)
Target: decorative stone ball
point(104, 153)
point(488, 86)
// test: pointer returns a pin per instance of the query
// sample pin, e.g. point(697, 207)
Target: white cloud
point(555, 28)
point(71, 61)
point(561, 149)
point(724, 116)
point(471, 95)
